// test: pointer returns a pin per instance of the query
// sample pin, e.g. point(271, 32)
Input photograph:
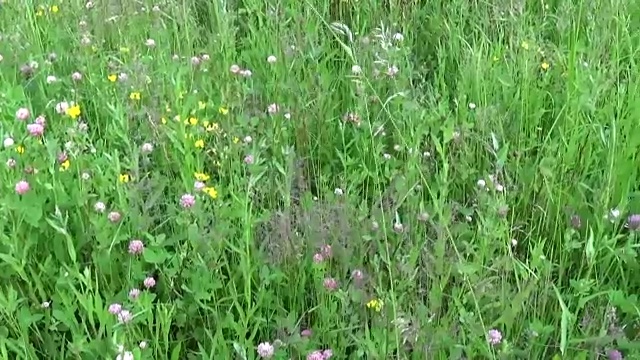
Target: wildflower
point(235, 69)
point(11, 163)
point(193, 121)
point(114, 216)
point(136, 247)
point(134, 293)
point(22, 187)
point(54, 9)
point(149, 282)
point(73, 111)
point(273, 108)
point(115, 308)
point(41, 120)
point(195, 61)
point(398, 227)
point(545, 65)
point(99, 207)
point(356, 70)
point(202, 105)
point(633, 222)
point(306, 333)
point(187, 201)
point(150, 43)
point(76, 76)
point(327, 353)
point(249, 159)
point(112, 77)
point(147, 148)
point(64, 166)
point(23, 114)
point(142, 345)
point(8, 142)
point(247, 139)
point(315, 355)
point(357, 275)
point(124, 178)
point(525, 45)
point(211, 191)
point(318, 258)
point(330, 284)
point(135, 95)
point(35, 130)
point(199, 144)
point(494, 337)
point(265, 350)
point(201, 176)
point(125, 316)
point(51, 79)
point(211, 127)
point(85, 176)
point(223, 110)
point(62, 107)
point(614, 355)
point(326, 251)
point(271, 59)
point(375, 304)
point(423, 216)
point(198, 185)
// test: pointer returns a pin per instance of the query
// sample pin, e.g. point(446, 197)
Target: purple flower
point(494, 337)
point(633, 222)
point(614, 354)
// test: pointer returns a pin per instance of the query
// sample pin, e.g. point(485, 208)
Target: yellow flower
point(223, 110)
point(199, 143)
point(164, 121)
point(40, 10)
point(202, 105)
point(193, 121)
point(168, 109)
point(20, 149)
point(495, 58)
point(545, 65)
point(54, 9)
point(201, 176)
point(375, 304)
point(74, 111)
point(211, 191)
point(236, 139)
point(211, 127)
point(112, 77)
point(65, 165)
point(124, 178)
point(135, 95)
point(525, 45)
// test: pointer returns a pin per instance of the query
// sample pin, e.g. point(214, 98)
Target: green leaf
point(154, 257)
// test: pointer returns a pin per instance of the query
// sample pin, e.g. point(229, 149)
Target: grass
point(401, 180)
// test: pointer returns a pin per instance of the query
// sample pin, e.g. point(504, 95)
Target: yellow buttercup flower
point(201, 176)
point(223, 110)
point(164, 121)
point(211, 191)
point(20, 149)
point(202, 105)
point(124, 178)
point(211, 126)
point(112, 77)
point(193, 121)
point(375, 305)
point(199, 143)
point(135, 95)
point(74, 111)
point(54, 9)
point(65, 165)
point(545, 65)
point(236, 140)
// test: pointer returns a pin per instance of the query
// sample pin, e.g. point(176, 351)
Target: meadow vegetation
point(315, 179)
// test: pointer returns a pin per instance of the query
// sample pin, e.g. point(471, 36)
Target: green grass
point(475, 176)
